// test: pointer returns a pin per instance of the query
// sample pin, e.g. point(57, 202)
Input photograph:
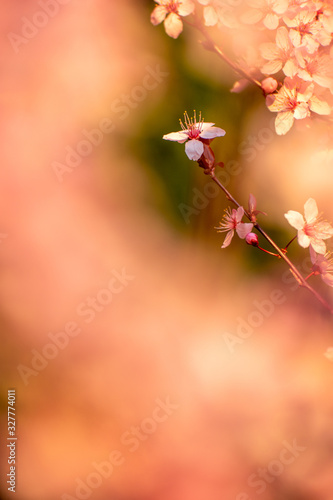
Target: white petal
point(310, 210)
point(194, 149)
point(176, 136)
point(319, 107)
point(243, 229)
point(173, 25)
point(212, 132)
point(318, 245)
point(158, 15)
point(295, 219)
point(228, 239)
point(185, 8)
point(303, 239)
point(283, 122)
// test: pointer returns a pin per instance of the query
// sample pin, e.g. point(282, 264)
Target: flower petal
point(176, 136)
point(319, 107)
point(185, 8)
point(283, 122)
point(310, 210)
point(238, 213)
point(158, 15)
point(328, 279)
point(194, 149)
point(295, 219)
point(271, 21)
point(303, 239)
point(212, 132)
point(243, 229)
point(173, 25)
point(318, 246)
point(313, 255)
point(228, 238)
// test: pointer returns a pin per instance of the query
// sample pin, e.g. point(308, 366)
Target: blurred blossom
point(311, 231)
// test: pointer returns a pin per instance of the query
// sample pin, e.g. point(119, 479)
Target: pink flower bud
point(252, 239)
point(269, 85)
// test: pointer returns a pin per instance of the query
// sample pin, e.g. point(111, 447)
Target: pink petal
point(328, 279)
point(194, 149)
point(228, 238)
point(295, 219)
point(212, 132)
point(176, 136)
point(173, 25)
point(252, 203)
point(158, 15)
point(243, 229)
point(238, 213)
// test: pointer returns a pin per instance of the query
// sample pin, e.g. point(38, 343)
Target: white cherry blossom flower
point(312, 230)
point(171, 11)
point(194, 132)
point(231, 222)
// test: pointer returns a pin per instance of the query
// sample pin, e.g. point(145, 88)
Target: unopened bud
point(269, 85)
point(252, 239)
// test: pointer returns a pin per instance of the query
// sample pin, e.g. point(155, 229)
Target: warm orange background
point(164, 334)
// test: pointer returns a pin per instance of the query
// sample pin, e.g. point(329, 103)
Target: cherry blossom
point(194, 132)
point(294, 100)
point(170, 11)
point(219, 12)
point(269, 11)
point(311, 231)
point(304, 27)
point(231, 222)
point(323, 265)
point(316, 67)
point(279, 55)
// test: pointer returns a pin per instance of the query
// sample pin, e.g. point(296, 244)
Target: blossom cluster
point(290, 39)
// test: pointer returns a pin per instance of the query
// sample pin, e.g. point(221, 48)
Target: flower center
point(192, 127)
point(173, 6)
point(309, 230)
